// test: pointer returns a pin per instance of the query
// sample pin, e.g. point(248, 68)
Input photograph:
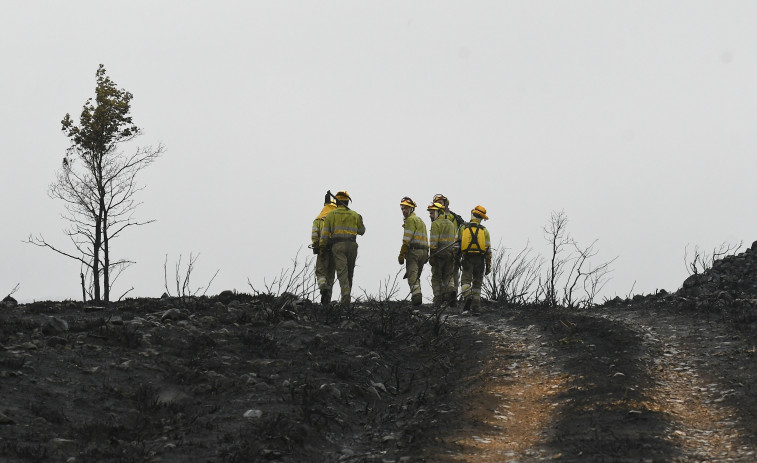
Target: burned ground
point(237, 378)
point(233, 378)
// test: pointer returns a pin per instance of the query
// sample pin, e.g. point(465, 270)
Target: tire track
point(513, 403)
point(601, 386)
point(695, 401)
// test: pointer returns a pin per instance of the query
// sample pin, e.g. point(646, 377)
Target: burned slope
point(661, 377)
point(233, 378)
point(727, 290)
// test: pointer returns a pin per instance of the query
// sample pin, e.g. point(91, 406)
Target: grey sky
point(636, 118)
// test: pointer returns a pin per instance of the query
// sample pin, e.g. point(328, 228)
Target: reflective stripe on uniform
point(442, 233)
point(315, 236)
point(340, 223)
point(415, 231)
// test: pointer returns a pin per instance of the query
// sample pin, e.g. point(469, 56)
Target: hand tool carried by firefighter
point(338, 201)
point(443, 249)
point(432, 255)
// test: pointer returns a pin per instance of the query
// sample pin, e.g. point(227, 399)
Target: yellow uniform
point(324, 264)
point(339, 238)
point(475, 247)
point(414, 251)
point(443, 235)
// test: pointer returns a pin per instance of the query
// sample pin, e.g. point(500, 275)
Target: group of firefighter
point(452, 246)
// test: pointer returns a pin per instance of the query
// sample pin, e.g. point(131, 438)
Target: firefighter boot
point(325, 297)
point(452, 299)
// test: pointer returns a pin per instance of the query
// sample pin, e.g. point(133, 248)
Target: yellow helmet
point(406, 201)
point(440, 198)
point(480, 211)
point(435, 207)
point(343, 196)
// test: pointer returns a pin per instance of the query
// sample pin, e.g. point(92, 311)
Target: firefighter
point(324, 264)
point(339, 239)
point(414, 250)
point(442, 238)
point(457, 222)
point(475, 249)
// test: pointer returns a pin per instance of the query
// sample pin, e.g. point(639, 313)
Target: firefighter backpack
point(473, 239)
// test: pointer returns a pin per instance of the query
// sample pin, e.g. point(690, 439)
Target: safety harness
point(473, 229)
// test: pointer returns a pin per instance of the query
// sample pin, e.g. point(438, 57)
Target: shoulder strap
point(457, 218)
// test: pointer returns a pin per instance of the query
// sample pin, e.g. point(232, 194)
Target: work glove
point(316, 249)
point(403, 251)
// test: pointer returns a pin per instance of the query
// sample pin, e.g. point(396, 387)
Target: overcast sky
point(635, 118)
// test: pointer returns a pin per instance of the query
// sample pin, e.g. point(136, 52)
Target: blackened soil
point(238, 378)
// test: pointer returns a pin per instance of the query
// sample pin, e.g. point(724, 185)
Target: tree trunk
point(96, 257)
point(106, 256)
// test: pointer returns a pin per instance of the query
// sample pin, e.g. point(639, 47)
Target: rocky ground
point(237, 378)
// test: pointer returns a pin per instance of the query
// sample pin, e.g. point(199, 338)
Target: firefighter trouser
point(442, 281)
point(344, 254)
point(414, 261)
point(456, 276)
point(324, 273)
point(473, 266)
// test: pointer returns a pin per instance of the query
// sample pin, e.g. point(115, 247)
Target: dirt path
point(631, 385)
point(693, 384)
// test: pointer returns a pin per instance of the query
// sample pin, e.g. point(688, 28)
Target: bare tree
point(13, 291)
point(570, 268)
point(97, 183)
point(583, 275)
point(700, 261)
point(558, 238)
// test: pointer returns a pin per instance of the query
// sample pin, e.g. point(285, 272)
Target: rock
point(331, 390)
point(6, 420)
point(170, 396)
point(124, 365)
point(253, 414)
point(693, 280)
point(173, 314)
point(53, 326)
